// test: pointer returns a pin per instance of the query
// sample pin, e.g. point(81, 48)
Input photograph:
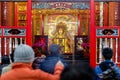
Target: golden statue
point(62, 38)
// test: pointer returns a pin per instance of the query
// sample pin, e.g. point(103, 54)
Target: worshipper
point(106, 66)
point(5, 62)
point(50, 61)
point(79, 71)
point(22, 67)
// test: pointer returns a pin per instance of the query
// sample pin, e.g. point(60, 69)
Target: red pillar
point(92, 35)
point(29, 23)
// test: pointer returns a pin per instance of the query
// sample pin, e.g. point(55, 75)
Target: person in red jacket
point(22, 69)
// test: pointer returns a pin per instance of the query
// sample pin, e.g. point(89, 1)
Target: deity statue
point(79, 44)
point(62, 37)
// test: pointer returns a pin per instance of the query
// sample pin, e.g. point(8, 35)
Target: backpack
point(108, 71)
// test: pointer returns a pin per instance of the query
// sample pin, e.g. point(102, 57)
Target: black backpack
point(108, 71)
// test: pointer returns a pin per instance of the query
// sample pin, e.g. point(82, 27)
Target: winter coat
point(6, 69)
point(49, 63)
point(23, 71)
point(105, 63)
point(5, 62)
point(2, 66)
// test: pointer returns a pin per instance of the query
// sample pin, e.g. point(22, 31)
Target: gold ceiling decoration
point(50, 11)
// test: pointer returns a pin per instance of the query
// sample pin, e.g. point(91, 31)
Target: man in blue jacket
point(50, 61)
point(105, 66)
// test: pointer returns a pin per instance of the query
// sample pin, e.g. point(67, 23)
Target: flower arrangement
point(40, 47)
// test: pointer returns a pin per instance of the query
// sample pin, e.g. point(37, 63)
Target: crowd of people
point(53, 67)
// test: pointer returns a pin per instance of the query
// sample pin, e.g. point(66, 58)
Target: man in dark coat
point(5, 62)
point(50, 61)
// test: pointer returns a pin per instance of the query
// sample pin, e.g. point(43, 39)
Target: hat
point(54, 49)
point(23, 53)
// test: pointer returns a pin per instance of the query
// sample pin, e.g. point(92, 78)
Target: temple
point(81, 27)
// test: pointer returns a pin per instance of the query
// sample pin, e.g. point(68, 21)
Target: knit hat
point(54, 49)
point(23, 53)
